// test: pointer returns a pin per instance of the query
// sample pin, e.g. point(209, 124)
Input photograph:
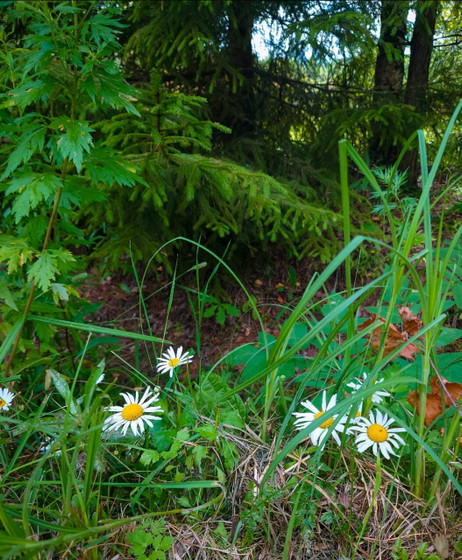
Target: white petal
point(362, 446)
point(336, 437)
point(310, 406)
point(316, 435)
point(384, 449)
point(332, 402)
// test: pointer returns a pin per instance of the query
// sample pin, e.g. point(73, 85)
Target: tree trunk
point(418, 73)
point(241, 113)
point(389, 75)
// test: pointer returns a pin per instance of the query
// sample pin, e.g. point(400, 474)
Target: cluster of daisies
point(373, 431)
point(137, 411)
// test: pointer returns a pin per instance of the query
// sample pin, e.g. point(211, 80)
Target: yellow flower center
point(174, 362)
point(327, 423)
point(2, 403)
point(377, 433)
point(132, 412)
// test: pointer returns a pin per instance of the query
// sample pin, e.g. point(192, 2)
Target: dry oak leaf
point(394, 338)
point(451, 393)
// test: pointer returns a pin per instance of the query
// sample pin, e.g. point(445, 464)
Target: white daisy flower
point(6, 398)
point(375, 432)
point(318, 435)
point(133, 413)
point(172, 360)
point(377, 397)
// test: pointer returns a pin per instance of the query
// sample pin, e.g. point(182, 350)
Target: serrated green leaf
point(199, 453)
point(30, 92)
point(47, 266)
point(15, 251)
point(208, 432)
point(66, 8)
point(104, 166)
point(32, 141)
point(75, 141)
point(60, 290)
point(210, 311)
point(149, 456)
point(106, 87)
point(34, 189)
point(232, 310)
point(182, 435)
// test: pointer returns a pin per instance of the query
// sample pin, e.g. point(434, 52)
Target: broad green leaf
point(450, 366)
point(447, 336)
point(457, 294)
point(77, 193)
point(182, 435)
point(231, 418)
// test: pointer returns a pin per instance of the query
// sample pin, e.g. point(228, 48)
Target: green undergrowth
point(298, 445)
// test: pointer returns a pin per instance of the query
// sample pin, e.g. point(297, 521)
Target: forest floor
point(275, 290)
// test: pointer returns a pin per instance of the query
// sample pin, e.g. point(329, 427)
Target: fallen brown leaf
point(433, 407)
point(394, 338)
point(411, 323)
point(450, 394)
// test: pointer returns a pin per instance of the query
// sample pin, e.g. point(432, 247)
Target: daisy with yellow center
point(134, 413)
point(171, 360)
point(6, 398)
point(377, 397)
point(319, 434)
point(375, 432)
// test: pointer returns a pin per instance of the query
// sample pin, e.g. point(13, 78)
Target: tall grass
point(68, 487)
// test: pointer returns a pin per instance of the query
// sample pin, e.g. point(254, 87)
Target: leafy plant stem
point(30, 299)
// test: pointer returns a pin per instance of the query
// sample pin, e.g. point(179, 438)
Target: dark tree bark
point(389, 73)
point(418, 73)
point(240, 114)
